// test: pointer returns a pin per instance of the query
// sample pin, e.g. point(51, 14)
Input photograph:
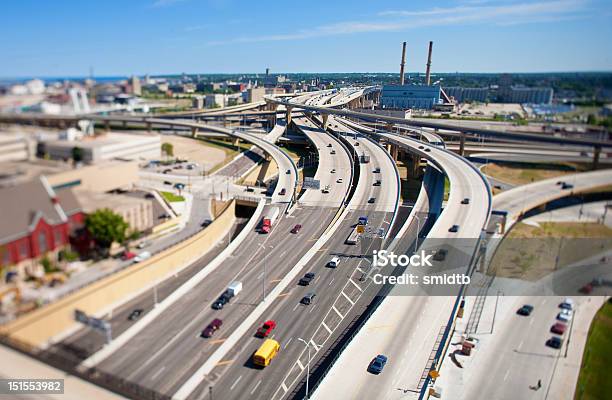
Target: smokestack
point(403, 63)
point(267, 71)
point(428, 71)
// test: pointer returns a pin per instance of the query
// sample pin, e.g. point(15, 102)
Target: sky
point(119, 38)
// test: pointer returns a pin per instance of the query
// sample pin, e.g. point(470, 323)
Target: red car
point(265, 329)
point(296, 228)
point(558, 328)
point(127, 255)
point(212, 328)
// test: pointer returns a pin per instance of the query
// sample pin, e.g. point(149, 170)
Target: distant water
point(54, 79)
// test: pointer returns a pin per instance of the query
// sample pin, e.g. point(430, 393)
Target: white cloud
point(401, 20)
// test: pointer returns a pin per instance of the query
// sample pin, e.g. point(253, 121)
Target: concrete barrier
point(51, 321)
point(132, 331)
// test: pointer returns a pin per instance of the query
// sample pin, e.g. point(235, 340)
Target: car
point(306, 279)
point(377, 364)
point(149, 196)
point(356, 143)
point(325, 189)
point(135, 314)
point(555, 342)
point(164, 216)
point(421, 147)
point(465, 201)
point(567, 186)
point(333, 263)
point(143, 244)
point(560, 182)
point(127, 255)
point(222, 300)
point(371, 200)
point(378, 182)
point(376, 170)
point(525, 310)
point(339, 180)
point(205, 223)
point(296, 229)
point(568, 304)
point(282, 192)
point(558, 328)
point(332, 152)
point(329, 145)
point(288, 172)
point(308, 298)
point(454, 228)
point(167, 183)
point(249, 189)
point(564, 316)
point(142, 256)
point(264, 330)
point(177, 167)
point(333, 171)
point(190, 166)
point(166, 171)
point(440, 255)
point(213, 327)
point(428, 149)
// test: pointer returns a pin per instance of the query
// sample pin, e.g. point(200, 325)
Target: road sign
point(360, 229)
point(95, 323)
point(311, 183)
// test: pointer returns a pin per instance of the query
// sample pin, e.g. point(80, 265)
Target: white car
point(142, 256)
point(564, 316)
point(568, 304)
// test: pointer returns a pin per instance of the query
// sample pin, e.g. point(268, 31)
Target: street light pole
point(307, 366)
point(416, 243)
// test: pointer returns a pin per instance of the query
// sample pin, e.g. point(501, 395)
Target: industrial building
point(463, 94)
point(522, 95)
point(419, 97)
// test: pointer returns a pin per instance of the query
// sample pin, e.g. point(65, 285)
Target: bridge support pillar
point(461, 144)
point(596, 154)
point(415, 160)
point(389, 127)
point(394, 151)
point(235, 141)
point(125, 124)
point(149, 127)
point(107, 126)
point(289, 109)
point(325, 117)
point(224, 120)
point(194, 132)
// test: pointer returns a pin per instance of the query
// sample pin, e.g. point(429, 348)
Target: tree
point(168, 149)
point(591, 119)
point(106, 227)
point(77, 154)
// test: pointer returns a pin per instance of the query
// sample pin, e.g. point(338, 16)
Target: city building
point(14, 147)
point(521, 95)
point(255, 94)
point(216, 100)
point(410, 96)
point(198, 102)
point(137, 212)
point(464, 94)
point(104, 147)
point(135, 87)
point(36, 222)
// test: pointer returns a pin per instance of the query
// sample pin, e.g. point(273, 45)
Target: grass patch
point(171, 197)
point(446, 188)
point(532, 252)
point(594, 380)
point(523, 175)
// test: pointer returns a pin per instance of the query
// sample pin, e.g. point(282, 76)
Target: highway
point(338, 287)
point(521, 199)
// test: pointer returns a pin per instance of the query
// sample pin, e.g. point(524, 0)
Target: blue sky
point(66, 38)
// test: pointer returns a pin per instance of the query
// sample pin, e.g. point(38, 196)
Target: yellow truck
point(266, 352)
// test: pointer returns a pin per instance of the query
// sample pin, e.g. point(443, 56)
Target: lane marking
point(226, 362)
point(236, 382)
point(217, 341)
point(348, 298)
point(275, 280)
point(256, 386)
point(330, 282)
point(506, 375)
point(312, 308)
point(288, 341)
point(283, 294)
point(356, 285)
point(296, 306)
point(324, 325)
point(284, 387)
point(157, 373)
point(337, 312)
point(299, 364)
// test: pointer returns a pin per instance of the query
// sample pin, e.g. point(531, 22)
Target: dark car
point(167, 183)
point(421, 147)
point(282, 192)
point(377, 364)
point(440, 255)
point(288, 172)
point(371, 200)
point(454, 229)
point(378, 182)
point(555, 342)
point(296, 229)
point(222, 300)
point(212, 328)
point(558, 328)
point(134, 315)
point(329, 145)
point(465, 201)
point(376, 170)
point(305, 281)
point(567, 186)
point(265, 329)
point(525, 310)
point(166, 171)
point(428, 149)
point(308, 298)
point(205, 223)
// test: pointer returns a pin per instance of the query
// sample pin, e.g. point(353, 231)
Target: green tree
point(591, 119)
point(77, 154)
point(168, 149)
point(106, 227)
